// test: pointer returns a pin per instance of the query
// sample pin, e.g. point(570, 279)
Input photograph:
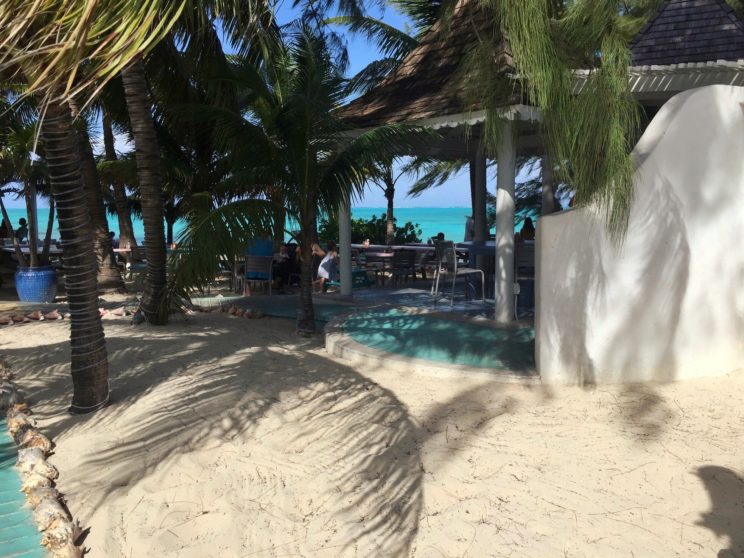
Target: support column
point(504, 287)
point(480, 219)
point(344, 242)
point(548, 185)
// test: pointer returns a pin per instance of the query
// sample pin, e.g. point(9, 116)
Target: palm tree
point(89, 361)
point(43, 45)
point(150, 187)
point(121, 202)
point(195, 22)
point(109, 275)
point(287, 135)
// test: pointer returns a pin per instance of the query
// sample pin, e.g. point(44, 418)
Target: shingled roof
point(429, 82)
point(685, 31)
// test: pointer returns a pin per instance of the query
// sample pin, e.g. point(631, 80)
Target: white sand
point(233, 438)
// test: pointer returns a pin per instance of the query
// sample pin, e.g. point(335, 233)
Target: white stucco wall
point(669, 303)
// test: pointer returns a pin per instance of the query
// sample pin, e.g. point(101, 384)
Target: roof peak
point(687, 31)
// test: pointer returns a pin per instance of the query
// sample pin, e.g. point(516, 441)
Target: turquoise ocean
point(432, 220)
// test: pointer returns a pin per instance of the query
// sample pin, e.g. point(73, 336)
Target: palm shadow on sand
point(366, 436)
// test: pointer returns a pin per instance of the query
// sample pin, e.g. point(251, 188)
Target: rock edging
point(50, 514)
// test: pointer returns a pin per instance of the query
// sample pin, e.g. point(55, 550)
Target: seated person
point(282, 266)
point(528, 230)
point(22, 230)
point(328, 268)
point(438, 238)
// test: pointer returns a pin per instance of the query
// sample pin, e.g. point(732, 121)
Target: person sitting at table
point(114, 242)
point(328, 268)
point(438, 238)
point(4, 230)
point(282, 265)
point(528, 230)
point(22, 230)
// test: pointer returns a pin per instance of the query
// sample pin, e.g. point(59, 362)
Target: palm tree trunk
point(89, 361)
point(123, 213)
point(306, 317)
point(148, 172)
point(48, 235)
point(29, 192)
point(390, 196)
point(109, 275)
point(169, 221)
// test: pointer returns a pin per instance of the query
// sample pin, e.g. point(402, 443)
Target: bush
point(375, 229)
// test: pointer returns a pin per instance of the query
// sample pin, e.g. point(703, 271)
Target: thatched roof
point(685, 31)
point(429, 82)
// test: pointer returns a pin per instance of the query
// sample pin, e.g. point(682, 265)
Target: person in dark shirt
point(528, 230)
point(22, 230)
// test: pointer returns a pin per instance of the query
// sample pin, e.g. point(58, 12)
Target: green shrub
point(374, 229)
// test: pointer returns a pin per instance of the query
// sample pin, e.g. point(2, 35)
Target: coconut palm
point(286, 134)
point(118, 186)
point(43, 45)
point(109, 276)
point(196, 22)
point(150, 188)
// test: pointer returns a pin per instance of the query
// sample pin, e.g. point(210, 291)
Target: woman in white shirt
point(328, 269)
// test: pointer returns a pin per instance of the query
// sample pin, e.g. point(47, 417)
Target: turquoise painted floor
point(434, 338)
point(18, 534)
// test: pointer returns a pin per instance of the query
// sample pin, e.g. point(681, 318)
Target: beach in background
point(432, 220)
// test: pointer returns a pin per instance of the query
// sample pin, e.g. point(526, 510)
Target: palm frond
point(371, 75)
point(431, 174)
point(212, 238)
point(391, 41)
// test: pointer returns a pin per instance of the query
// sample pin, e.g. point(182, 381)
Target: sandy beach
point(230, 437)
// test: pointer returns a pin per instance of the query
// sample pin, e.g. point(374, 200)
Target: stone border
point(50, 514)
point(340, 344)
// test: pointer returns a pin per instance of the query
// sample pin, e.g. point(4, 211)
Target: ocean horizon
point(431, 220)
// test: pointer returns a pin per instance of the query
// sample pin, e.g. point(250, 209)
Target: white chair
point(447, 266)
point(524, 269)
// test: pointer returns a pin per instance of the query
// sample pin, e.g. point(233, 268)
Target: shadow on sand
point(357, 433)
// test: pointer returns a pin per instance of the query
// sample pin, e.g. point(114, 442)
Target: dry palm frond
point(71, 48)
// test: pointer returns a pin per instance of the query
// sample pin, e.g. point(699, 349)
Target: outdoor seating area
point(463, 270)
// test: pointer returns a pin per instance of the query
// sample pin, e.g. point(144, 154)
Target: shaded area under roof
point(685, 31)
point(429, 82)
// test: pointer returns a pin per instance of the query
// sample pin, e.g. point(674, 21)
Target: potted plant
point(24, 173)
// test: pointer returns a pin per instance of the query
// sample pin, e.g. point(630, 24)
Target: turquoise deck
point(442, 340)
point(18, 535)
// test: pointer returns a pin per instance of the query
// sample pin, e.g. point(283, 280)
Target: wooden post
point(344, 241)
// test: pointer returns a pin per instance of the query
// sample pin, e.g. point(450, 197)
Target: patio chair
point(524, 268)
point(403, 265)
point(447, 266)
point(259, 269)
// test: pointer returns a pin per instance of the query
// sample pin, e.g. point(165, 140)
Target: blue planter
point(38, 284)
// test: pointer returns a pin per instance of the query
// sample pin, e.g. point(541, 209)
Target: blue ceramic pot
point(37, 284)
